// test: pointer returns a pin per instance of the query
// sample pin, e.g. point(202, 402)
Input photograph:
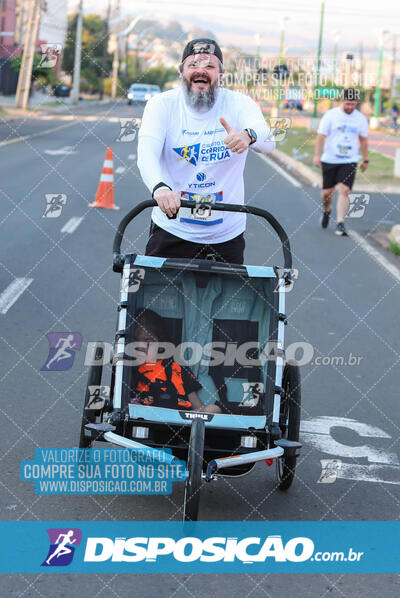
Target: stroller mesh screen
point(218, 329)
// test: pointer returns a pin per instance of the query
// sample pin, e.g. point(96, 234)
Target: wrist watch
point(252, 134)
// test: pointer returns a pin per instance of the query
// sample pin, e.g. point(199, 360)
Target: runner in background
point(341, 133)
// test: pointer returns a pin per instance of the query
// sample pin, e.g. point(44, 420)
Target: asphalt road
point(343, 302)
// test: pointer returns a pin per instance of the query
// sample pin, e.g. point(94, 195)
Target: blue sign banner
point(102, 471)
point(202, 547)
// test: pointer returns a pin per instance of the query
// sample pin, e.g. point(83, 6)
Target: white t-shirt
point(185, 149)
point(342, 135)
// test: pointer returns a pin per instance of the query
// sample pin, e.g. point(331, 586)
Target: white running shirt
point(342, 133)
point(185, 149)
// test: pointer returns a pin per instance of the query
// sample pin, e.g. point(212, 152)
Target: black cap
point(202, 45)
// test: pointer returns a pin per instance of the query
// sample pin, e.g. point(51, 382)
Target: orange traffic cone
point(105, 190)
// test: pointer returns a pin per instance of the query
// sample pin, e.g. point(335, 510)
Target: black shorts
point(163, 244)
point(332, 174)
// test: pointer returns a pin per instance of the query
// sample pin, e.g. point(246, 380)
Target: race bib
point(201, 213)
point(343, 150)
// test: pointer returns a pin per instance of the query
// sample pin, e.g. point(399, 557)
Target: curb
point(315, 179)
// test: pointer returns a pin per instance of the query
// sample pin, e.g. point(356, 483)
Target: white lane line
point(14, 290)
point(25, 137)
point(375, 254)
point(279, 169)
point(120, 169)
point(132, 157)
point(72, 224)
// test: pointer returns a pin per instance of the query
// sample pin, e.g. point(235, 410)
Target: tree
point(94, 36)
point(44, 75)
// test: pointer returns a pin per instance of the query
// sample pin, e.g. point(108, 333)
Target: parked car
point(141, 92)
point(61, 91)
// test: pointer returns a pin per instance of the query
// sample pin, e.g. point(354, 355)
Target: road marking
point(279, 169)
point(132, 157)
point(63, 151)
point(25, 137)
point(120, 169)
point(72, 224)
point(383, 465)
point(375, 254)
point(14, 290)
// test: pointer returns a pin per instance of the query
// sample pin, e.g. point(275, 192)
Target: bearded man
point(193, 144)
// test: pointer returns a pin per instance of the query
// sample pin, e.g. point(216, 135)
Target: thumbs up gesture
point(236, 141)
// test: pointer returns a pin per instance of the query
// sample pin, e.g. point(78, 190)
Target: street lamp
point(321, 27)
point(281, 49)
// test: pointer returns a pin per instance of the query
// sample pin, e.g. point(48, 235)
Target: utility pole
point(321, 28)
point(105, 46)
point(116, 54)
point(25, 73)
point(77, 59)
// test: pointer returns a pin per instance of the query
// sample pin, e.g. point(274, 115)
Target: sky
point(237, 21)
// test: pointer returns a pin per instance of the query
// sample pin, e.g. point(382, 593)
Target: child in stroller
point(162, 383)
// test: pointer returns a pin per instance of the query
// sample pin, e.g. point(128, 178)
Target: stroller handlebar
point(151, 203)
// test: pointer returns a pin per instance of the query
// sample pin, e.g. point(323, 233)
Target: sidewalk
point(39, 102)
point(314, 178)
point(383, 144)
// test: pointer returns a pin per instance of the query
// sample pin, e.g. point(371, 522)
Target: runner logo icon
point(188, 152)
point(62, 546)
point(62, 350)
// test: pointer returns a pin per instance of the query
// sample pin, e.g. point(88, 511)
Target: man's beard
point(200, 101)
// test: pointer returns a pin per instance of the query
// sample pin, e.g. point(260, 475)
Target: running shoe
point(340, 230)
point(325, 219)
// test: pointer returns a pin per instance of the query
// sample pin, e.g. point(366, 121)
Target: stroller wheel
point(195, 469)
point(90, 414)
point(290, 423)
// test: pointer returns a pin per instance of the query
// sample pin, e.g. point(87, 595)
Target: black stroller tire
point(195, 468)
point(90, 416)
point(291, 410)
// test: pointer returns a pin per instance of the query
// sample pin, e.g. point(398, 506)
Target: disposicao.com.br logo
point(63, 542)
point(210, 550)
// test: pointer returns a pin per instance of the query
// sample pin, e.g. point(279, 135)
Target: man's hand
point(364, 166)
point(168, 201)
point(317, 162)
point(236, 141)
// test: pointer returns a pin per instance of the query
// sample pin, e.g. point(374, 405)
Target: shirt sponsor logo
point(214, 152)
point(202, 184)
point(190, 153)
point(347, 129)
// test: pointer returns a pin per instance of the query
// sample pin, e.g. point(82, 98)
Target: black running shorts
point(163, 244)
point(332, 174)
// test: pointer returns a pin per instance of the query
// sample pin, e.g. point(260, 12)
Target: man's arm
point(364, 151)
point(319, 145)
point(253, 118)
point(151, 142)
point(322, 133)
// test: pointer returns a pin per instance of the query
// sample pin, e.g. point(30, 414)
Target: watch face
point(253, 135)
